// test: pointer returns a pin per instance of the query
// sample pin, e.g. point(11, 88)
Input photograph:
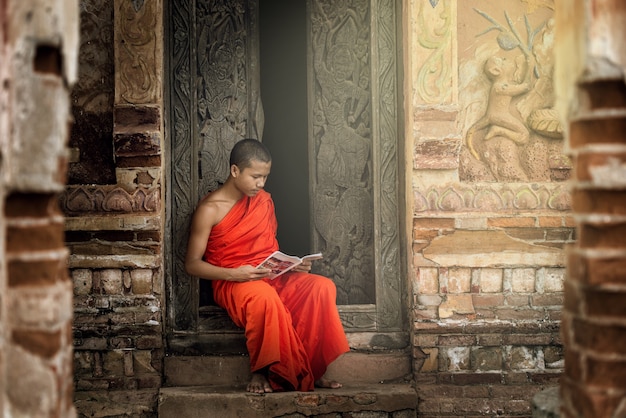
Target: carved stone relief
point(512, 132)
point(342, 133)
point(138, 54)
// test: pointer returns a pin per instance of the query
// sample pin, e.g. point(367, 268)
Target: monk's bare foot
point(327, 384)
point(259, 384)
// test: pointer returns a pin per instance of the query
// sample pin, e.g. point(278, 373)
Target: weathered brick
point(455, 358)
point(522, 358)
point(491, 280)
point(523, 280)
point(459, 280)
point(487, 300)
point(517, 222)
point(610, 202)
point(486, 359)
point(554, 300)
point(519, 314)
point(456, 340)
point(550, 221)
point(141, 281)
point(433, 223)
point(428, 280)
point(526, 339)
point(82, 279)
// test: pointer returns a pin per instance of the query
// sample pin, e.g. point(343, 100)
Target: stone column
point(590, 69)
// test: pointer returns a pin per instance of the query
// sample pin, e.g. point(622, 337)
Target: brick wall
point(594, 318)
point(488, 250)
point(114, 231)
point(38, 47)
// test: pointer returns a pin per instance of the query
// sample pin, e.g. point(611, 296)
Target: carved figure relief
point(342, 129)
point(518, 137)
point(222, 86)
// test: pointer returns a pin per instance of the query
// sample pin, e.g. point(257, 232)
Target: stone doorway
point(215, 98)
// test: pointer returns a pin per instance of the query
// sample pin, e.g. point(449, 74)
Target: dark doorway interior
point(283, 59)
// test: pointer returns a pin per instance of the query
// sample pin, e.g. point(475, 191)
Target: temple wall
point(491, 210)
point(114, 209)
point(490, 206)
point(38, 63)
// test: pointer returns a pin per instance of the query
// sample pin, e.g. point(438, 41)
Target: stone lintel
point(490, 249)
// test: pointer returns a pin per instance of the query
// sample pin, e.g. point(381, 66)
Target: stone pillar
point(38, 50)
point(591, 66)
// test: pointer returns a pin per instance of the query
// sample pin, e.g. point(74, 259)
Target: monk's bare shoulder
point(214, 206)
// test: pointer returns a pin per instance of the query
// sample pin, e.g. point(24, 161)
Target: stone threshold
point(380, 400)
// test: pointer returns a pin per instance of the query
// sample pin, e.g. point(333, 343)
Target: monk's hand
point(304, 267)
point(249, 273)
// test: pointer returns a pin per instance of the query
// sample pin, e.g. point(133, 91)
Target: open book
point(280, 262)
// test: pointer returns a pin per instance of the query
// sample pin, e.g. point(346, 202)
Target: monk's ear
point(234, 170)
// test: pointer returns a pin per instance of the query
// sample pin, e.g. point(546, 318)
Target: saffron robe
point(291, 323)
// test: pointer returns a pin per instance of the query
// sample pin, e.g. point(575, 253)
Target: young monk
point(292, 326)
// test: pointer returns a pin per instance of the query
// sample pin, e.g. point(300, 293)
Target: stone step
point(354, 368)
point(379, 400)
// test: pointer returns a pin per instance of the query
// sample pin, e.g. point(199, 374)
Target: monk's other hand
point(304, 267)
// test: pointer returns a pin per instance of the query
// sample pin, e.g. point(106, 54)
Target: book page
point(279, 263)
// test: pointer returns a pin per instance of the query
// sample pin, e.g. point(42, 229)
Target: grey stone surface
point(546, 403)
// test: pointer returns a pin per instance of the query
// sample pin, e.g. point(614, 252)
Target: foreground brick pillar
point(591, 59)
point(38, 47)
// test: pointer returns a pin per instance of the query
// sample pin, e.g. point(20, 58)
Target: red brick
point(433, 223)
point(611, 236)
point(550, 221)
point(607, 374)
point(605, 303)
point(609, 130)
point(40, 238)
point(41, 343)
point(600, 338)
point(36, 273)
point(31, 205)
point(606, 271)
point(609, 202)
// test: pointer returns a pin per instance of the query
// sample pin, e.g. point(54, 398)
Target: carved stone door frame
point(368, 100)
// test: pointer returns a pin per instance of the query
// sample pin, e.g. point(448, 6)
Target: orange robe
point(291, 323)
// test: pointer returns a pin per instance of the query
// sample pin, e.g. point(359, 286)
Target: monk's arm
point(201, 225)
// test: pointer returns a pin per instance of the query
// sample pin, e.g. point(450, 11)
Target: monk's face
point(251, 180)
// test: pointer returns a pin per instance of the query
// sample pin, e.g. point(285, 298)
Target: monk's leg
point(276, 352)
point(312, 301)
